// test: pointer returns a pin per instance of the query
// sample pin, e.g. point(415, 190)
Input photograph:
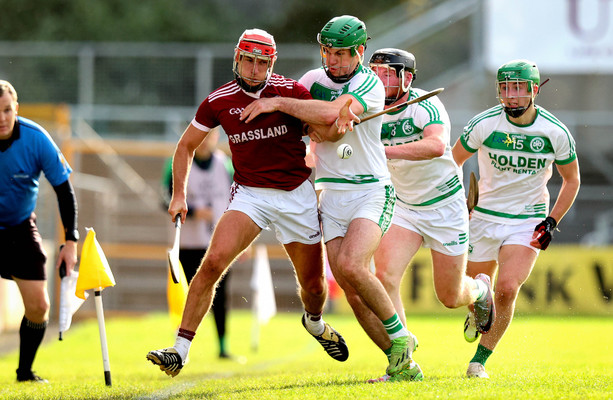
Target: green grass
point(539, 358)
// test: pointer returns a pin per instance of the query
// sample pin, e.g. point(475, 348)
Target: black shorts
point(22, 253)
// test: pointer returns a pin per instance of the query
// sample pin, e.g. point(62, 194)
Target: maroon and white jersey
point(268, 151)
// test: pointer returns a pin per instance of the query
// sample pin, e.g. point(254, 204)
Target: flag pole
point(255, 326)
point(102, 329)
point(264, 304)
point(62, 272)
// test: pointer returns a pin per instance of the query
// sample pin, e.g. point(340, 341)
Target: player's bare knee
point(352, 275)
point(449, 299)
point(351, 271)
point(37, 311)
point(209, 273)
point(386, 279)
point(215, 264)
point(315, 287)
point(506, 291)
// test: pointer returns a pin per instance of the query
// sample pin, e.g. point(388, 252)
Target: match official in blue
point(26, 150)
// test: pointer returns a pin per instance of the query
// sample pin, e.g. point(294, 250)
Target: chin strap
point(516, 112)
point(246, 87)
point(341, 79)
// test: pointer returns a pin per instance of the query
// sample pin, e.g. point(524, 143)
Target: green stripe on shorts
point(385, 221)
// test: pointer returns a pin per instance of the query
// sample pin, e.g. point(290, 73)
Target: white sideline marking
point(181, 387)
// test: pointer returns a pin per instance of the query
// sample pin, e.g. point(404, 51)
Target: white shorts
point(339, 207)
point(486, 238)
point(444, 229)
point(293, 213)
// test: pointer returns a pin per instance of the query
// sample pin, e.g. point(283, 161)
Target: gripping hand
point(543, 232)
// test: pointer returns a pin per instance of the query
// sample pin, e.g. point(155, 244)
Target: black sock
point(30, 335)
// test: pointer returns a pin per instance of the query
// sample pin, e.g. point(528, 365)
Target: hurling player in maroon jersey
point(271, 188)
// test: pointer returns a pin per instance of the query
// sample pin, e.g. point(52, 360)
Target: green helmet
point(518, 71)
point(522, 70)
point(342, 32)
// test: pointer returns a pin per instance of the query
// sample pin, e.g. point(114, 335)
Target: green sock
point(222, 345)
point(482, 354)
point(394, 327)
point(388, 353)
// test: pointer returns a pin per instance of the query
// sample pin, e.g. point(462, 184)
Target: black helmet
point(400, 61)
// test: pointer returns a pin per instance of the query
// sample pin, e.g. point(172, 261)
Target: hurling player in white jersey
point(430, 208)
point(357, 198)
point(271, 188)
point(517, 143)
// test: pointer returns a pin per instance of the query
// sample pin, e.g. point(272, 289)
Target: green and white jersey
point(366, 168)
point(515, 163)
point(423, 184)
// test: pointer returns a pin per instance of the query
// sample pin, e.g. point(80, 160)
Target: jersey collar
point(5, 144)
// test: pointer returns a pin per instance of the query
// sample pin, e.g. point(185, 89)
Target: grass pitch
point(539, 358)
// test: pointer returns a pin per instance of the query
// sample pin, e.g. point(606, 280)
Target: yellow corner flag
point(176, 294)
point(94, 270)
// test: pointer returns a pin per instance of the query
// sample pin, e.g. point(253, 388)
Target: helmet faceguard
point(344, 32)
point(515, 80)
point(259, 46)
point(399, 61)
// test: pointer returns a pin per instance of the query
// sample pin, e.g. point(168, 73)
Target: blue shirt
point(31, 152)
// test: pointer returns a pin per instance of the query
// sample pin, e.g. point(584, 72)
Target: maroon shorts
point(21, 252)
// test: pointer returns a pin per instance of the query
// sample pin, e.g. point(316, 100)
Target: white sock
point(182, 346)
point(400, 333)
point(314, 323)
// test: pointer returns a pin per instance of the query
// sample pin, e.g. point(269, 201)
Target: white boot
point(476, 370)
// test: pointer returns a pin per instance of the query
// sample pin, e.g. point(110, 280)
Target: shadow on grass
point(251, 390)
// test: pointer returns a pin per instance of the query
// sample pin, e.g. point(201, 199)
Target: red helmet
point(261, 45)
point(257, 42)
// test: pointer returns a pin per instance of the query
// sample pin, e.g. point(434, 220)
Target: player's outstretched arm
point(264, 105)
point(342, 125)
point(346, 117)
point(313, 112)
